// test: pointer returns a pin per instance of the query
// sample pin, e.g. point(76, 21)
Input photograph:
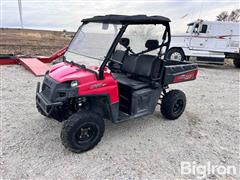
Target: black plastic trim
point(113, 109)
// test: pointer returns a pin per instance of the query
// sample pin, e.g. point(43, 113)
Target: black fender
point(101, 104)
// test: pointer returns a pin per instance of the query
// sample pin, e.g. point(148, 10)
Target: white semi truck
point(208, 42)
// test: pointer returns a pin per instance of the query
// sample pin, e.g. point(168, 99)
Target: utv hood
point(63, 72)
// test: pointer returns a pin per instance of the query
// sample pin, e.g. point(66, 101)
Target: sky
point(67, 14)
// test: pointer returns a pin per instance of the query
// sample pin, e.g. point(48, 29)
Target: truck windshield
point(190, 27)
point(91, 43)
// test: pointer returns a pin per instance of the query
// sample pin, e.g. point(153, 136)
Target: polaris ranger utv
point(114, 69)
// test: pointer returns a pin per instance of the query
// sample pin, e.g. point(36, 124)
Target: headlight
point(74, 84)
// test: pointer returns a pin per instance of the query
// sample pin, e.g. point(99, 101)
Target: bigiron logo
point(204, 170)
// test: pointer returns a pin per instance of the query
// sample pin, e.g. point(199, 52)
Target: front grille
point(46, 91)
point(48, 87)
point(53, 90)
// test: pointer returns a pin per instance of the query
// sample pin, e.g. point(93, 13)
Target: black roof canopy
point(123, 19)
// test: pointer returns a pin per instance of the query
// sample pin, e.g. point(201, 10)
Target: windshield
point(91, 43)
point(189, 29)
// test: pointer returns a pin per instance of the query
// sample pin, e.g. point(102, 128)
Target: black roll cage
point(166, 35)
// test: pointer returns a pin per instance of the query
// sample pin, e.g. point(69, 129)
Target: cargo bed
point(178, 71)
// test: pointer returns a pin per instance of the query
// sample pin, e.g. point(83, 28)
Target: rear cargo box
point(178, 71)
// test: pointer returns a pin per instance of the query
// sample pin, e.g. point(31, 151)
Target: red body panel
point(88, 83)
point(191, 75)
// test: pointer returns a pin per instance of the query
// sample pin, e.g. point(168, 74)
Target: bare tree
point(233, 16)
point(223, 16)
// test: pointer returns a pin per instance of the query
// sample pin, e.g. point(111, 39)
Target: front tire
point(82, 131)
point(176, 54)
point(236, 63)
point(173, 104)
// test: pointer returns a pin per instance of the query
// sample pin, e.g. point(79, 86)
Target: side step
point(37, 67)
point(123, 117)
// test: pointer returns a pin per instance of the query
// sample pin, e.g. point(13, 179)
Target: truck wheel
point(82, 131)
point(173, 104)
point(176, 54)
point(236, 62)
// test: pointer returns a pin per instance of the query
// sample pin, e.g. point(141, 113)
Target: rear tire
point(176, 54)
point(236, 63)
point(173, 104)
point(82, 131)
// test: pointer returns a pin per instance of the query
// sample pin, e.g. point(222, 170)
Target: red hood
point(62, 72)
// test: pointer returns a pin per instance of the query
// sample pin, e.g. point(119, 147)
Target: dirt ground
point(32, 42)
point(149, 147)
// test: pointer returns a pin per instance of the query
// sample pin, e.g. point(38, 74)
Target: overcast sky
point(67, 14)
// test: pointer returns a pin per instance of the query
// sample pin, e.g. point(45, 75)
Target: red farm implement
point(37, 65)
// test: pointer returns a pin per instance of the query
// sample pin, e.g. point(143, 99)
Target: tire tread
point(69, 124)
point(167, 101)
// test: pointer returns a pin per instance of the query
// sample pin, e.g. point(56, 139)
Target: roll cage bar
point(150, 20)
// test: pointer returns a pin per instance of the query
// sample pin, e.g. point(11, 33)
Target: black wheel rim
point(178, 106)
point(87, 132)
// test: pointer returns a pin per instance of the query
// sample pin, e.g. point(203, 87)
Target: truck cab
point(208, 42)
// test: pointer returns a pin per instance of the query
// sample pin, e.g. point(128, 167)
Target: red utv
point(114, 69)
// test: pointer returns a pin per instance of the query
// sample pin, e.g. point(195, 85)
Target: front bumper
point(53, 94)
point(46, 106)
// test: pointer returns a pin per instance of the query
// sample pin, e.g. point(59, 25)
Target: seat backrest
point(118, 55)
point(129, 64)
point(147, 66)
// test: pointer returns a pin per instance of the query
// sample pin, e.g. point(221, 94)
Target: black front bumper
point(53, 94)
point(46, 106)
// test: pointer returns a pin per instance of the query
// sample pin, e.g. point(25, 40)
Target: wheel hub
point(86, 133)
point(178, 106)
point(176, 56)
